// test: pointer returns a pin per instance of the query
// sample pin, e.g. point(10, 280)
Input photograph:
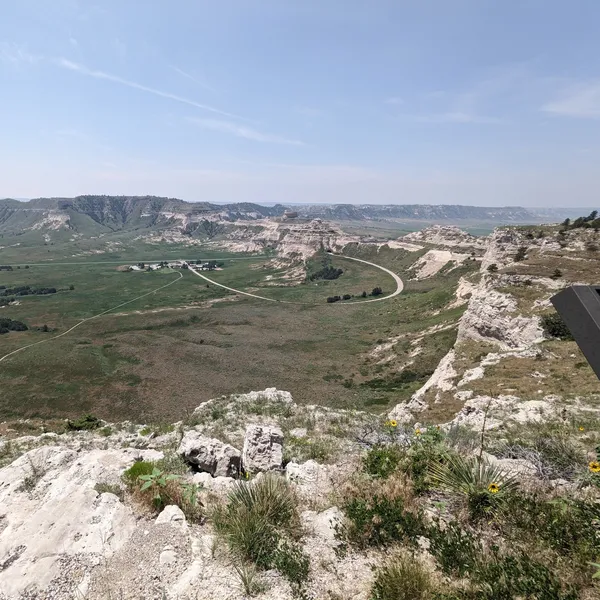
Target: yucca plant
point(483, 483)
point(271, 497)
point(256, 517)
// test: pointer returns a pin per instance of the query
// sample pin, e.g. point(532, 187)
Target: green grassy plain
point(162, 355)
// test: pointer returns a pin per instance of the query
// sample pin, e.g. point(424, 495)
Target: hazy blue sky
point(380, 101)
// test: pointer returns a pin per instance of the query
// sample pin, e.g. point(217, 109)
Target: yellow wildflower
point(594, 466)
point(582, 429)
point(393, 423)
point(417, 432)
point(493, 488)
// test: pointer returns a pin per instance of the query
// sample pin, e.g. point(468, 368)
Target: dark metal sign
point(579, 307)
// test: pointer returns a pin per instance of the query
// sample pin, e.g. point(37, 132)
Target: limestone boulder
point(210, 455)
point(263, 449)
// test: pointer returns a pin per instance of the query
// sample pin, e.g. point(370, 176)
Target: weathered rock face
point(491, 317)
point(210, 455)
point(446, 235)
point(263, 449)
point(49, 510)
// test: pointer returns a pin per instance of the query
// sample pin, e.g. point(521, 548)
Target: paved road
point(399, 284)
point(55, 337)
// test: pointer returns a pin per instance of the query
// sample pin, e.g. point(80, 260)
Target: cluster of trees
point(5, 268)
point(210, 264)
point(25, 290)
point(327, 271)
point(377, 291)
point(591, 220)
point(7, 325)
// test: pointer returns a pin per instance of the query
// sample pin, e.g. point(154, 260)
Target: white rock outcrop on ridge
point(445, 235)
point(49, 510)
point(210, 455)
point(492, 317)
point(434, 261)
point(263, 449)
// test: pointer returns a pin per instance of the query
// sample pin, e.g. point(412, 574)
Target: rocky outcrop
point(51, 512)
point(492, 317)
point(446, 235)
point(263, 449)
point(210, 455)
point(434, 261)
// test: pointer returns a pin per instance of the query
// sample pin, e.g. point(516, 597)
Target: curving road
point(399, 284)
point(399, 288)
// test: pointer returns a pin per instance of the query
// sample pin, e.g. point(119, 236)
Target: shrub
point(379, 514)
point(346, 297)
point(428, 448)
point(140, 467)
point(291, 561)
point(520, 576)
point(521, 254)
point(493, 268)
point(159, 489)
point(85, 423)
point(377, 291)
point(554, 326)
point(567, 526)
point(382, 461)
point(553, 452)
point(455, 549)
point(402, 578)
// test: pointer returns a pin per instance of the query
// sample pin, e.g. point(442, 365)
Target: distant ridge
point(95, 213)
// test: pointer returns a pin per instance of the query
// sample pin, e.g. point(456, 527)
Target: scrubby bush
point(554, 326)
point(521, 254)
point(505, 577)
point(402, 578)
point(85, 423)
point(380, 513)
point(382, 461)
point(140, 467)
point(455, 549)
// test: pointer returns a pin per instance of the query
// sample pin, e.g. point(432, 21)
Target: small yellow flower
point(582, 429)
point(594, 466)
point(438, 427)
point(417, 432)
point(393, 423)
point(493, 488)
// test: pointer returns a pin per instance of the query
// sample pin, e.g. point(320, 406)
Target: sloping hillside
point(507, 361)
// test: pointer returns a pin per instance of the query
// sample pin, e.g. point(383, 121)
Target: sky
point(315, 101)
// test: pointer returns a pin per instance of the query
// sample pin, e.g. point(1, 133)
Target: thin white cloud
point(15, 54)
point(581, 101)
point(242, 131)
point(193, 78)
point(454, 117)
point(394, 100)
point(79, 68)
point(73, 42)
